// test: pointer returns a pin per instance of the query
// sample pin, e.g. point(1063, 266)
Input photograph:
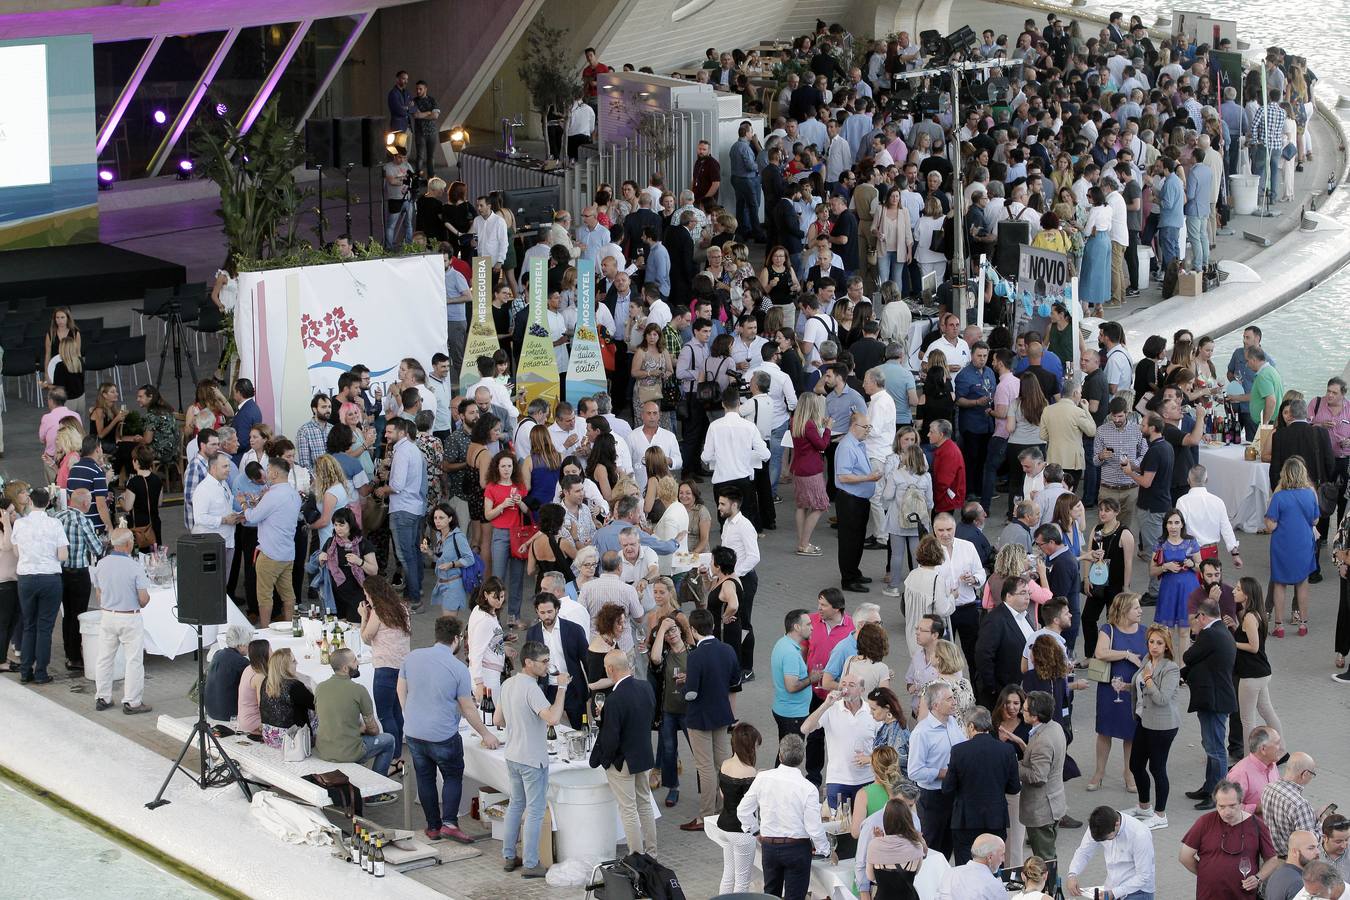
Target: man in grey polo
point(122, 590)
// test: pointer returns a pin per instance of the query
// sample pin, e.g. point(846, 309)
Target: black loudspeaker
point(348, 136)
point(319, 144)
point(1011, 237)
point(372, 142)
point(201, 579)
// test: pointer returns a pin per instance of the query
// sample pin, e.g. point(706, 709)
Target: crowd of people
point(589, 527)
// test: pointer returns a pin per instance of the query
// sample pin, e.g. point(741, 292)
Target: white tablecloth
point(166, 636)
point(836, 880)
point(488, 768)
point(307, 656)
point(917, 332)
point(1243, 485)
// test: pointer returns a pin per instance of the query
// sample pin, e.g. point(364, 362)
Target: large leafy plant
point(255, 171)
point(548, 72)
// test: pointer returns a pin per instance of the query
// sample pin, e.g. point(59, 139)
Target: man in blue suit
point(713, 669)
point(624, 750)
point(566, 641)
point(980, 772)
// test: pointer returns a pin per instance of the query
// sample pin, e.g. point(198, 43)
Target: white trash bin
point(89, 629)
point(1145, 256)
point(589, 813)
point(1242, 190)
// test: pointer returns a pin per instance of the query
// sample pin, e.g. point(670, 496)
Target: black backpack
point(655, 880)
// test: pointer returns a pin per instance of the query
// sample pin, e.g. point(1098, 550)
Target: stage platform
point(83, 273)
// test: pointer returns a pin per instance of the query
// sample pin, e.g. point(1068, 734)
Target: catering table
point(307, 657)
point(1243, 485)
point(584, 814)
point(835, 880)
point(166, 636)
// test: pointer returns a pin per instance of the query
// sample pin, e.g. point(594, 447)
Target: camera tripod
point(173, 339)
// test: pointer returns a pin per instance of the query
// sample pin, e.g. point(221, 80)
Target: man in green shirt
point(1267, 387)
point(348, 728)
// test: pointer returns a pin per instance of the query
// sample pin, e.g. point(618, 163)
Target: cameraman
point(398, 194)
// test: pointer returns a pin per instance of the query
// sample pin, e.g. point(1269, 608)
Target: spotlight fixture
point(185, 168)
point(106, 179)
point(459, 138)
point(396, 142)
point(222, 110)
point(159, 116)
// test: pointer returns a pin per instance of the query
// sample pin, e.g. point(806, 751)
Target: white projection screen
point(25, 151)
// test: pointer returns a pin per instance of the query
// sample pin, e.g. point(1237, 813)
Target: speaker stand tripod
point(173, 339)
point(225, 771)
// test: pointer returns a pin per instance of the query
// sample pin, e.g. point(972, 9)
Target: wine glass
point(599, 705)
point(1244, 867)
point(1118, 685)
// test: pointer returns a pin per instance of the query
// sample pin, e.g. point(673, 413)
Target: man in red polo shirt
point(949, 468)
point(829, 625)
point(593, 69)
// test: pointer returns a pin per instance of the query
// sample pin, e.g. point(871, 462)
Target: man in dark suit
point(775, 186)
point(635, 221)
point(1003, 636)
point(1208, 672)
point(679, 242)
point(624, 750)
point(713, 669)
point(567, 644)
point(805, 100)
point(982, 770)
point(1063, 573)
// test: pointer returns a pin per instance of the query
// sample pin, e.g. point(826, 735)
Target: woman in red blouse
point(810, 438)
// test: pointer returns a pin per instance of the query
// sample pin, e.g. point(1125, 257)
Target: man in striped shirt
point(1118, 438)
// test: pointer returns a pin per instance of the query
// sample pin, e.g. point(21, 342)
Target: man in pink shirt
point(829, 625)
point(1259, 767)
point(1005, 395)
point(47, 428)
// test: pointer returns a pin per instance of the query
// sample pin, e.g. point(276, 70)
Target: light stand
point(226, 770)
point(954, 71)
point(370, 200)
point(347, 194)
point(174, 338)
point(319, 169)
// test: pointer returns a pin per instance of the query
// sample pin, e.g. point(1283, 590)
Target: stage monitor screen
point(48, 170)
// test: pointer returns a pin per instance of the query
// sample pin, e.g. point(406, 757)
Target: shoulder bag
point(944, 604)
point(1099, 670)
point(522, 533)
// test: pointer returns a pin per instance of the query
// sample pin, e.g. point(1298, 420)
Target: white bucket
point(1242, 190)
point(588, 811)
point(89, 629)
point(1145, 256)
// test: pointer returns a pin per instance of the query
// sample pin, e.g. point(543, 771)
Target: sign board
point(482, 337)
point(299, 329)
point(586, 368)
point(537, 370)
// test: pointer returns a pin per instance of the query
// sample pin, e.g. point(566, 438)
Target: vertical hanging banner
point(537, 370)
point(482, 339)
point(586, 369)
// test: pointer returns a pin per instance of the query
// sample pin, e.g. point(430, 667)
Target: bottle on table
point(487, 707)
point(552, 738)
point(296, 629)
point(377, 865)
point(324, 654)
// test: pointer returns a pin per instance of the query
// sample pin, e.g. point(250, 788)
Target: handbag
point(1328, 495)
point(521, 534)
point(145, 536)
point(1289, 152)
point(295, 744)
point(1099, 670)
point(693, 589)
point(1098, 573)
point(670, 394)
point(340, 791)
point(938, 242)
point(374, 513)
point(945, 604)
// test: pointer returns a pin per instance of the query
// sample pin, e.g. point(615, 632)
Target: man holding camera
point(398, 194)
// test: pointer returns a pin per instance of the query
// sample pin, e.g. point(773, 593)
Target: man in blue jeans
point(407, 493)
point(526, 714)
point(42, 547)
point(348, 728)
point(436, 690)
point(1207, 668)
point(785, 808)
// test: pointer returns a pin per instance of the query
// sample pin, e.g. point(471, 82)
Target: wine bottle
point(324, 655)
point(368, 856)
point(361, 847)
point(297, 630)
point(353, 848)
point(377, 866)
point(552, 738)
point(487, 707)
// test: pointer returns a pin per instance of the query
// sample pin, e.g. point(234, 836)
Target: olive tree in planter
point(548, 73)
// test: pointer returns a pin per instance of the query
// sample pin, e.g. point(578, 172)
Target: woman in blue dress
point(1094, 285)
point(453, 555)
point(1122, 643)
point(1291, 521)
point(1176, 559)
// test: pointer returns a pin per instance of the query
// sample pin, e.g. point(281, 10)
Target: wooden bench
point(261, 763)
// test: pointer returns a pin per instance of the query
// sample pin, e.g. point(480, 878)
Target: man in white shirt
point(734, 448)
point(580, 127)
point(1120, 235)
point(785, 809)
point(839, 156)
point(638, 565)
point(1127, 847)
point(740, 536)
point(976, 879)
point(783, 398)
point(745, 344)
point(963, 572)
point(604, 407)
point(490, 230)
point(568, 431)
point(42, 547)
point(1206, 516)
point(881, 415)
point(212, 509)
point(956, 350)
point(535, 415)
point(848, 723)
point(651, 434)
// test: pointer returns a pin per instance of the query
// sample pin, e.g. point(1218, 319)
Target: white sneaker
point(891, 592)
point(1137, 812)
point(1154, 822)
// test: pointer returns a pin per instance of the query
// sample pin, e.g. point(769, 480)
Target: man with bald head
point(976, 880)
point(122, 590)
point(1321, 881)
point(1285, 806)
point(624, 751)
point(1286, 881)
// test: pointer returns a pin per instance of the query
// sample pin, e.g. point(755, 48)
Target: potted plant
point(548, 73)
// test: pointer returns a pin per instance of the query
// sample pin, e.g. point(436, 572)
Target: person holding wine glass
point(1157, 718)
point(1121, 644)
point(1228, 850)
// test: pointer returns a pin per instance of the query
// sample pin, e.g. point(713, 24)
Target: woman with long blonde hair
point(332, 492)
point(63, 358)
point(1291, 521)
point(69, 437)
point(810, 438)
point(950, 664)
point(284, 700)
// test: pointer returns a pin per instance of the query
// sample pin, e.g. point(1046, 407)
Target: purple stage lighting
point(185, 165)
point(222, 110)
point(105, 176)
point(160, 116)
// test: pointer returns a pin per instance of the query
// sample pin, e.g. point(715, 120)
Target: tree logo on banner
point(328, 333)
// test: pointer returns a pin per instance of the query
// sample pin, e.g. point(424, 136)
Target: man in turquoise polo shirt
point(791, 678)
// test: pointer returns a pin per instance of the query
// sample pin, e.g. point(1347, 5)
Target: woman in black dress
point(610, 623)
point(724, 597)
point(551, 550)
point(939, 394)
point(349, 558)
point(1112, 544)
point(893, 860)
point(145, 486)
point(457, 215)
